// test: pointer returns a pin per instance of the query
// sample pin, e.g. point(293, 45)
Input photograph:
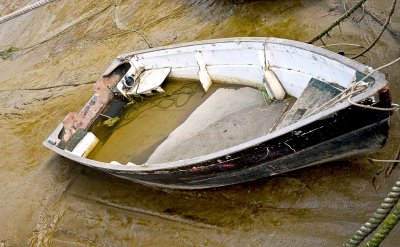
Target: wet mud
point(46, 200)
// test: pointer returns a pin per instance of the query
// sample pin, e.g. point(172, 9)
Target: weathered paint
point(327, 139)
point(326, 126)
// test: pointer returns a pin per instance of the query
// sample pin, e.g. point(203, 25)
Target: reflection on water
point(46, 200)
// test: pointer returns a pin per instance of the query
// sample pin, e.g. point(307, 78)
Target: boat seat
point(314, 95)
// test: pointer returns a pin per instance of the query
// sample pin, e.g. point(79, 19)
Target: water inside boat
point(185, 122)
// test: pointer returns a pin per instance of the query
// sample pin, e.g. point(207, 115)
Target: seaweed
point(8, 53)
point(267, 100)
point(111, 121)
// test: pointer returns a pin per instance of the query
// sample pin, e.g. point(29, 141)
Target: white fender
point(261, 58)
point(204, 77)
point(274, 84)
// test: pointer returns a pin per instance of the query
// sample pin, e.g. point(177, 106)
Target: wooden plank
point(314, 95)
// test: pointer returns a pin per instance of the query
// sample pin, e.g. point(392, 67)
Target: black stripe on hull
point(349, 132)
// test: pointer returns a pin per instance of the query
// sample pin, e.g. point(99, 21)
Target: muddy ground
point(46, 200)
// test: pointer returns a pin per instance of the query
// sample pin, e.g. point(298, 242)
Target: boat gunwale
point(379, 83)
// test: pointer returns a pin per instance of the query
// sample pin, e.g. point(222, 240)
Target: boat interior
point(240, 91)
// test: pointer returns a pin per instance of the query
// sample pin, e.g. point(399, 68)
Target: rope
point(118, 26)
point(337, 22)
point(7, 53)
point(381, 32)
point(392, 198)
point(341, 44)
point(375, 17)
point(342, 95)
point(355, 88)
point(394, 108)
point(377, 218)
point(387, 226)
point(25, 10)
point(382, 67)
point(163, 101)
point(384, 161)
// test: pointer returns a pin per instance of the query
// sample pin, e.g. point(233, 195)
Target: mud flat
point(46, 200)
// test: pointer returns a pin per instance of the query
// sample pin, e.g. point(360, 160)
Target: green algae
point(8, 53)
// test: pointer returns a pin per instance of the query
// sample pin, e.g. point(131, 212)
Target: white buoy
point(274, 84)
point(204, 77)
point(261, 58)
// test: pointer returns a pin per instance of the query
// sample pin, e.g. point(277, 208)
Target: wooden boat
point(308, 120)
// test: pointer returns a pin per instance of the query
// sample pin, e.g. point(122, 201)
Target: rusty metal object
point(85, 118)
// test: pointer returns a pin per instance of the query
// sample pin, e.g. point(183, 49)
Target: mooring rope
point(355, 88)
point(380, 33)
point(338, 21)
point(384, 161)
point(6, 54)
point(387, 226)
point(395, 107)
point(25, 10)
point(377, 218)
point(353, 91)
point(342, 44)
point(122, 28)
point(381, 214)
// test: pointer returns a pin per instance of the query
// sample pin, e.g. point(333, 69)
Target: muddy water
point(147, 122)
point(184, 122)
point(46, 200)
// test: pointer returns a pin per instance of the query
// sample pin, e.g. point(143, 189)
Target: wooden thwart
point(314, 95)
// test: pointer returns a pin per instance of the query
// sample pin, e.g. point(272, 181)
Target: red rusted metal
point(85, 118)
